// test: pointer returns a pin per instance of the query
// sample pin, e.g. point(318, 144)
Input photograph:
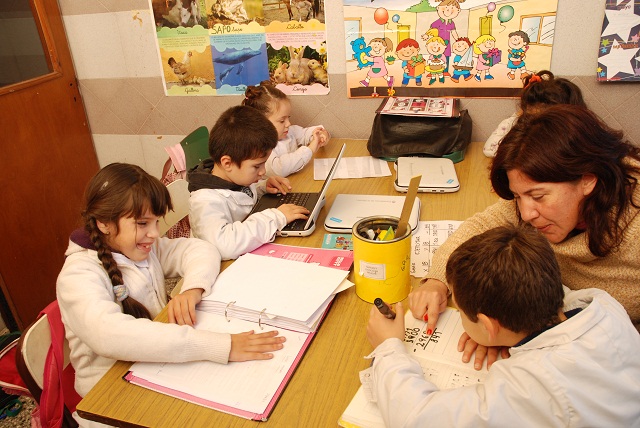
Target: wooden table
point(327, 377)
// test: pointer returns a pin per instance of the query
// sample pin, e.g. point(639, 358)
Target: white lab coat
point(291, 154)
point(219, 216)
point(584, 372)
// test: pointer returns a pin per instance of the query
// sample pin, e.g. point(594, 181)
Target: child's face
point(435, 48)
point(459, 47)
point(250, 171)
point(407, 53)
point(280, 118)
point(487, 45)
point(135, 236)
point(516, 42)
point(377, 49)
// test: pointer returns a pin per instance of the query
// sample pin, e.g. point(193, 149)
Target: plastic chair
point(42, 359)
point(179, 191)
point(192, 150)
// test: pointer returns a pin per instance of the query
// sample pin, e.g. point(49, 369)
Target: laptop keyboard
point(295, 198)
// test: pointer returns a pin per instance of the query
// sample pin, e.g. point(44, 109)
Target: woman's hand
point(278, 184)
point(468, 346)
point(380, 328)
point(255, 346)
point(182, 308)
point(428, 301)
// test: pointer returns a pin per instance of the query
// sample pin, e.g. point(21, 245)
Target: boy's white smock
point(584, 372)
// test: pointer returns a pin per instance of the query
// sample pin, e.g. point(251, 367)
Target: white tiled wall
point(114, 49)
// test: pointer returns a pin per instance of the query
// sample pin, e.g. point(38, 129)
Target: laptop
point(348, 209)
point(438, 174)
point(311, 201)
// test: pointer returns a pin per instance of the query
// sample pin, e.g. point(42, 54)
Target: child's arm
point(220, 217)
point(491, 145)
point(255, 346)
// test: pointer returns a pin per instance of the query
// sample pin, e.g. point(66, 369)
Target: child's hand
point(381, 328)
point(182, 308)
point(319, 138)
point(293, 212)
point(254, 346)
point(468, 346)
point(278, 184)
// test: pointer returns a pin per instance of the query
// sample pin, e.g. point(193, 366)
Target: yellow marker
point(381, 235)
point(389, 235)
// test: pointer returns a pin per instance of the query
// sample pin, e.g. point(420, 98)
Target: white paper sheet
point(353, 167)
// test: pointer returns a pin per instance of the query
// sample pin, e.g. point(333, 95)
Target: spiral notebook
point(255, 293)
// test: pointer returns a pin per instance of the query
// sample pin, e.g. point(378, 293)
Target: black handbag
point(394, 135)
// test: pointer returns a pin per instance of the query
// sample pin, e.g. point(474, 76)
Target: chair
point(179, 191)
point(42, 359)
point(194, 147)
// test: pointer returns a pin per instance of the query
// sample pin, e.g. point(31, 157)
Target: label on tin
point(373, 270)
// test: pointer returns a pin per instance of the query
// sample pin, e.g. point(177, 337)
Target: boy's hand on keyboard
point(293, 212)
point(278, 185)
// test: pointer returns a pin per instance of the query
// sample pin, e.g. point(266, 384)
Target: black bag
point(394, 135)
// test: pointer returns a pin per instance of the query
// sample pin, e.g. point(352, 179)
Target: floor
point(22, 419)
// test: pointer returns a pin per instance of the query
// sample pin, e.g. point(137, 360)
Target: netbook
point(347, 209)
point(438, 174)
point(311, 201)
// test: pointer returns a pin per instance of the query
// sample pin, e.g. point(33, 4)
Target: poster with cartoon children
point(452, 48)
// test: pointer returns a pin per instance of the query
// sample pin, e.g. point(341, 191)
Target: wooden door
point(46, 153)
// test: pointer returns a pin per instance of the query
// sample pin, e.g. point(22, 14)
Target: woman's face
point(552, 208)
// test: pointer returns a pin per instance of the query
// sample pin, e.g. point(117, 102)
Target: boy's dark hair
point(242, 133)
point(525, 36)
point(543, 88)
point(510, 274)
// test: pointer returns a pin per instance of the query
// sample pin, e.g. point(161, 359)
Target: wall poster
point(432, 48)
point(619, 50)
point(219, 47)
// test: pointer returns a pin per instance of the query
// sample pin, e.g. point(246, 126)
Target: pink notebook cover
point(327, 257)
point(132, 378)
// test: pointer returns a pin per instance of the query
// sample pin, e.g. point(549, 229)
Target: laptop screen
point(325, 186)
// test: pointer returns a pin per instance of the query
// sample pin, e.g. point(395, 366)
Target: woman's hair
point(264, 97)
point(544, 88)
point(121, 190)
point(562, 143)
point(510, 274)
point(455, 3)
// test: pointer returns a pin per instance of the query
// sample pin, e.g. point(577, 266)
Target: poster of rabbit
point(219, 47)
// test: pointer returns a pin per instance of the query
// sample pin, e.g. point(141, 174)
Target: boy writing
point(572, 362)
point(225, 187)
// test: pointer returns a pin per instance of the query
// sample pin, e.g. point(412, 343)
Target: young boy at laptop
point(225, 187)
point(574, 354)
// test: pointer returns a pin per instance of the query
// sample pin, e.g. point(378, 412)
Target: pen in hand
point(384, 308)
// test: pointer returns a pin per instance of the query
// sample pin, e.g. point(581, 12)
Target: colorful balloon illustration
point(396, 18)
point(505, 13)
point(381, 16)
point(491, 7)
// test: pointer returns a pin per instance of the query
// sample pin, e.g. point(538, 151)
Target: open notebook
point(255, 293)
point(440, 360)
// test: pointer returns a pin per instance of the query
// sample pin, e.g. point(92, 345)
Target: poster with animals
point(619, 50)
point(446, 48)
point(219, 47)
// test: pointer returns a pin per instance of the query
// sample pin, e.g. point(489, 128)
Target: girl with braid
point(112, 284)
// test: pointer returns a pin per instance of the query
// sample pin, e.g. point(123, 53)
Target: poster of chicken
point(219, 47)
point(446, 48)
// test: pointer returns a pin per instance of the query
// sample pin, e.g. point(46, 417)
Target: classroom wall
point(118, 68)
